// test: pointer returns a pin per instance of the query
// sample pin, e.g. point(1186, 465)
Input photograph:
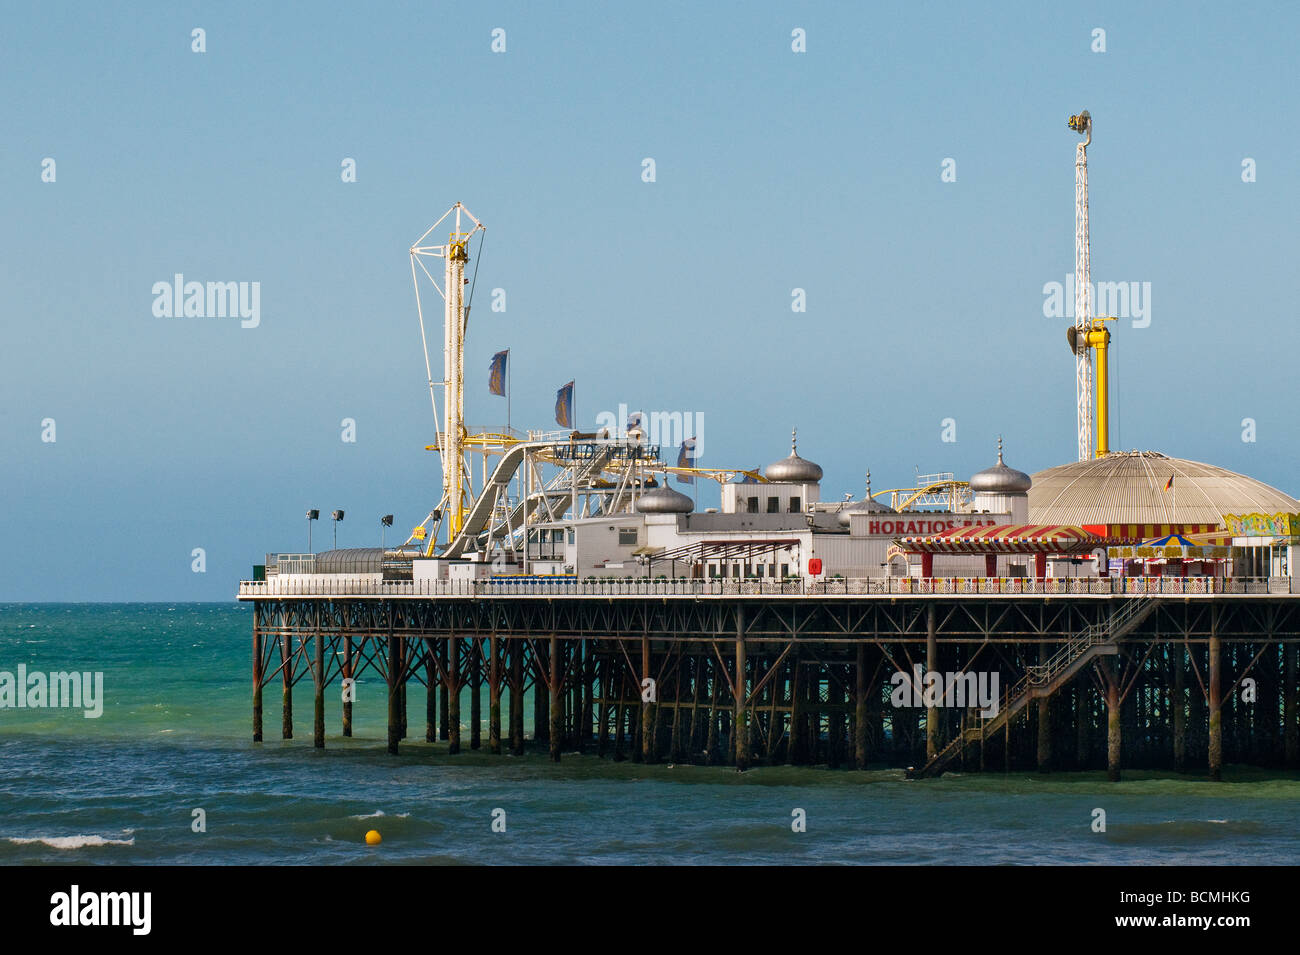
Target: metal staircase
point(1043, 680)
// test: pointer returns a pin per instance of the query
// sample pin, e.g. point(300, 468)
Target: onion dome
point(664, 500)
point(868, 504)
point(1000, 479)
point(794, 469)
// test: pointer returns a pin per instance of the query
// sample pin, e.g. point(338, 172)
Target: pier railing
point(342, 585)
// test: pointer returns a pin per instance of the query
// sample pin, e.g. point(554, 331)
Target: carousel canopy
point(1005, 539)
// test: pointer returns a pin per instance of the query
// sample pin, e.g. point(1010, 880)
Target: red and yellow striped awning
point(1005, 539)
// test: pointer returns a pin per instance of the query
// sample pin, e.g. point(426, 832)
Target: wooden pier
point(687, 672)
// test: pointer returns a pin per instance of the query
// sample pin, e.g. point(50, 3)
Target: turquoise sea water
point(175, 736)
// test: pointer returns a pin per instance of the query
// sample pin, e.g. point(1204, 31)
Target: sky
point(910, 170)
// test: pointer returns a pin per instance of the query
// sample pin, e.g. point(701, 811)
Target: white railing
point(344, 586)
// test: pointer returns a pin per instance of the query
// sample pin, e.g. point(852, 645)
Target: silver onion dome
point(664, 500)
point(1000, 479)
point(794, 469)
point(868, 504)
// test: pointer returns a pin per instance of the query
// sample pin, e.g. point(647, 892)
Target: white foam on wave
point(378, 813)
point(71, 842)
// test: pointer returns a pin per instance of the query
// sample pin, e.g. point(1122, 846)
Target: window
point(773, 505)
point(752, 505)
point(570, 535)
point(627, 537)
point(794, 505)
point(785, 570)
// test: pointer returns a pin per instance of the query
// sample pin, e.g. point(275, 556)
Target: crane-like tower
point(451, 439)
point(1082, 124)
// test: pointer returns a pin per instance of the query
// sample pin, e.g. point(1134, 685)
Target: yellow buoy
point(373, 838)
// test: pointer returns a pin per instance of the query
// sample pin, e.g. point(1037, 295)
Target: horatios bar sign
point(913, 527)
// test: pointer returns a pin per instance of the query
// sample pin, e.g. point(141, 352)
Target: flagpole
point(508, 390)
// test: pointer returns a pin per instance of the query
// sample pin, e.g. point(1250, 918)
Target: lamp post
point(312, 515)
point(385, 521)
point(336, 516)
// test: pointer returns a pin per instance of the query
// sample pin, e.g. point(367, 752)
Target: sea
point(168, 774)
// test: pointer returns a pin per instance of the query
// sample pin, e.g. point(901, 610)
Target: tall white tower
point(1082, 124)
point(451, 439)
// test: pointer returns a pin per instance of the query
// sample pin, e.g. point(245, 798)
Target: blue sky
point(775, 170)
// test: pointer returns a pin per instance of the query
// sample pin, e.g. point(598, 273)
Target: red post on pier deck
point(1040, 566)
point(927, 564)
point(990, 565)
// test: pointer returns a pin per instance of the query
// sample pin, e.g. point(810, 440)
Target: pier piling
point(258, 679)
point(287, 663)
point(494, 695)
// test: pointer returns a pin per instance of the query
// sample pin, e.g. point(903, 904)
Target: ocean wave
point(378, 813)
point(1185, 831)
point(70, 842)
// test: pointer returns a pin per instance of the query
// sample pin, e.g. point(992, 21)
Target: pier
point(1186, 674)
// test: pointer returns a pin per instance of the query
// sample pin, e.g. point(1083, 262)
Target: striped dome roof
point(1134, 487)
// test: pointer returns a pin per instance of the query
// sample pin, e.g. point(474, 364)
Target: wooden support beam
point(933, 741)
point(395, 679)
point(431, 692)
point(494, 695)
point(860, 709)
point(557, 735)
point(1290, 693)
point(649, 706)
point(286, 700)
point(516, 650)
point(475, 694)
point(453, 688)
point(257, 685)
point(444, 698)
point(741, 730)
point(318, 679)
point(1178, 704)
point(348, 674)
point(1215, 751)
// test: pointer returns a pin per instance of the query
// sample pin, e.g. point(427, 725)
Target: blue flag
point(564, 406)
point(497, 373)
point(686, 459)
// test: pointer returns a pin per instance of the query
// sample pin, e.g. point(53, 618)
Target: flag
point(564, 406)
point(686, 459)
point(497, 373)
point(1170, 483)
